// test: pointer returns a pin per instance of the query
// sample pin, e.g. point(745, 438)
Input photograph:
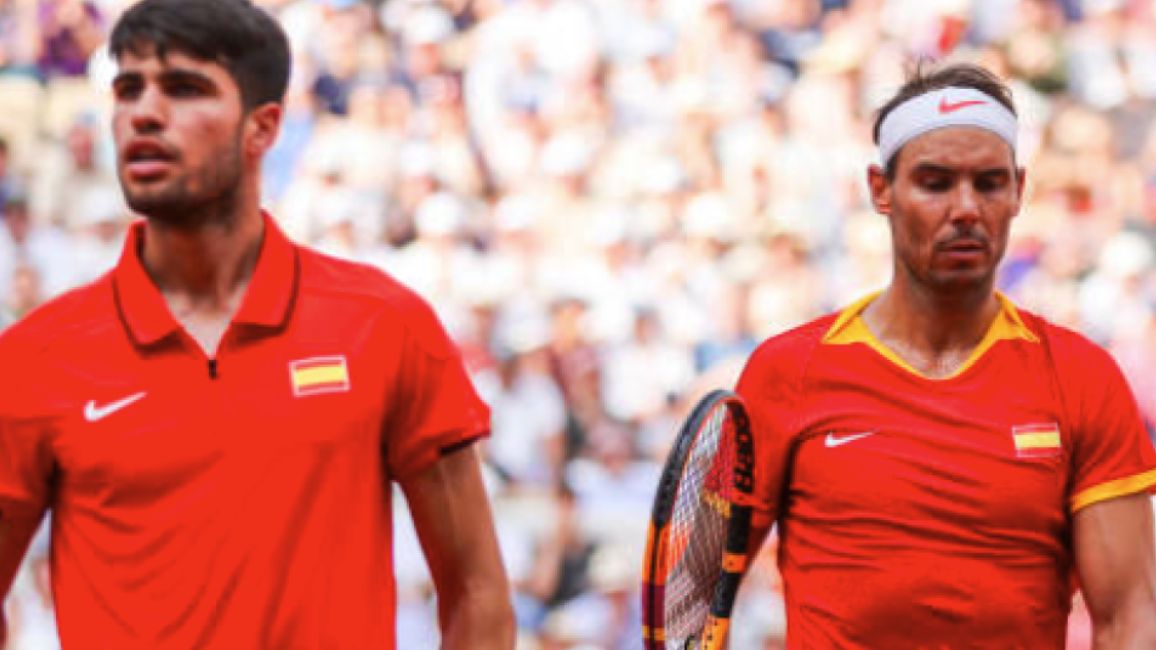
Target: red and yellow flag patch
point(1041, 440)
point(319, 375)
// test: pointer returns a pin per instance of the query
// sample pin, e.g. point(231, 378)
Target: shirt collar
point(849, 328)
point(268, 300)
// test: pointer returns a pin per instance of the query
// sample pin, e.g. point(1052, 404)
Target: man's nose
point(149, 112)
point(966, 206)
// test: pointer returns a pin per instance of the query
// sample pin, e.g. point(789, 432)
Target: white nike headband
point(941, 108)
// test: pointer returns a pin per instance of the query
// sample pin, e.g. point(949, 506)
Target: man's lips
point(964, 245)
point(147, 159)
point(964, 250)
point(141, 170)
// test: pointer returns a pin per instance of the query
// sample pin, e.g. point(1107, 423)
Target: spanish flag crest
point(318, 375)
point(1040, 440)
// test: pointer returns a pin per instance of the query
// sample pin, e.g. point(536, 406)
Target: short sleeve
point(771, 390)
point(26, 467)
point(435, 407)
point(26, 462)
point(1112, 454)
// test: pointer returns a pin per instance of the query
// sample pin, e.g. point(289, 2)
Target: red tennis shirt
point(242, 502)
point(923, 513)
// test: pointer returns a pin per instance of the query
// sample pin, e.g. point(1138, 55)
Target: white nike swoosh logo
point(835, 441)
point(92, 412)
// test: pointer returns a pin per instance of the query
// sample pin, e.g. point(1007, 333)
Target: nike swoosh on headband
point(946, 107)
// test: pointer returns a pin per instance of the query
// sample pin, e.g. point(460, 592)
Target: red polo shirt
point(242, 502)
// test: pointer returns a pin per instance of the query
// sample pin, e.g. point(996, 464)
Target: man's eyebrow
point(170, 75)
point(936, 168)
point(122, 77)
point(184, 74)
point(994, 171)
point(933, 168)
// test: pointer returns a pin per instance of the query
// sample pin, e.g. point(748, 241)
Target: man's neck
point(206, 262)
point(933, 332)
point(203, 272)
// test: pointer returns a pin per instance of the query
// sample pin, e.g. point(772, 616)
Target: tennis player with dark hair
point(216, 423)
point(943, 467)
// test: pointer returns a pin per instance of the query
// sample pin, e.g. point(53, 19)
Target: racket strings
point(698, 528)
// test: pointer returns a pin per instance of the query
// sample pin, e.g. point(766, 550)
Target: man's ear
point(262, 128)
point(880, 189)
point(1021, 184)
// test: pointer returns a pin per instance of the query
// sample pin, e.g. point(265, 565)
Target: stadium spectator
point(70, 31)
point(43, 248)
point(7, 179)
point(68, 178)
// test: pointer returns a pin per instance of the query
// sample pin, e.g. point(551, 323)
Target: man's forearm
point(482, 619)
point(1132, 629)
point(452, 516)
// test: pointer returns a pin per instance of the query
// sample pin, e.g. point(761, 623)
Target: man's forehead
point(144, 56)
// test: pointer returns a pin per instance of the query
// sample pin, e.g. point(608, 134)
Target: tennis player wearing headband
point(945, 468)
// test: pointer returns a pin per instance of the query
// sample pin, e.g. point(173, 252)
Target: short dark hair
point(243, 38)
point(921, 80)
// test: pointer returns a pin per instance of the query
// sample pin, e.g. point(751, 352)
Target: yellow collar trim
point(849, 328)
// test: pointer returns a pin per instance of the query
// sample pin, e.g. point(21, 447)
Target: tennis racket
point(696, 550)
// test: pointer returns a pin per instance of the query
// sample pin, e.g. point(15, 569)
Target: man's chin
point(963, 280)
point(162, 209)
point(182, 209)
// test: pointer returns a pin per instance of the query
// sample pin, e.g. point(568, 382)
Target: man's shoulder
point(775, 370)
point(783, 359)
point(80, 312)
point(372, 290)
point(1077, 359)
point(1064, 343)
point(794, 345)
point(36, 344)
point(358, 281)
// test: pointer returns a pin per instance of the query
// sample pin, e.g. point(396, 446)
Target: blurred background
point(610, 203)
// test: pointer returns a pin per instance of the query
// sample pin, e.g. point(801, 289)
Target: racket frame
point(733, 564)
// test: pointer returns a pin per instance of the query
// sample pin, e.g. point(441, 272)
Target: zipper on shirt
point(212, 368)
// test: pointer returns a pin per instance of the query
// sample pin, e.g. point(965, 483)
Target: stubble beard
point(949, 282)
point(202, 197)
point(962, 282)
point(970, 280)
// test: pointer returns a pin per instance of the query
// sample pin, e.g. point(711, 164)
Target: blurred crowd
point(610, 203)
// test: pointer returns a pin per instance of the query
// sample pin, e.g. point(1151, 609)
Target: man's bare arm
point(452, 516)
point(5, 579)
point(1116, 560)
